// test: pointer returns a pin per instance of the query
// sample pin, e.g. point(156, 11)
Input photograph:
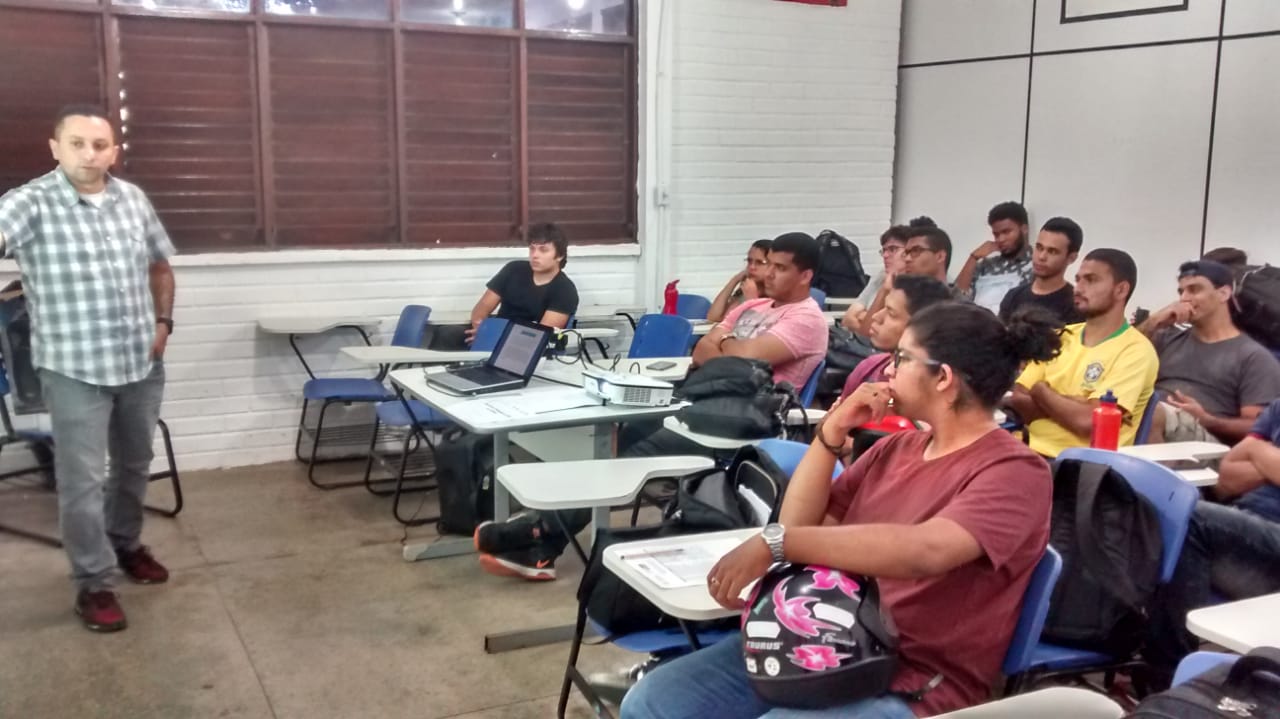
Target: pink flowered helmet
point(815, 637)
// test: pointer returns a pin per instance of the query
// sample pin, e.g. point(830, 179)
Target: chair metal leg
point(313, 460)
point(171, 474)
point(302, 423)
point(573, 677)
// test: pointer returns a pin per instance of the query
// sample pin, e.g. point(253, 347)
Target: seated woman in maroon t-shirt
point(951, 521)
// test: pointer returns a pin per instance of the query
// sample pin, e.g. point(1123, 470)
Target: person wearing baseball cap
point(1216, 379)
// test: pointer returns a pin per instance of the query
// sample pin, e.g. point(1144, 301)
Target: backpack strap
point(1089, 529)
point(1261, 659)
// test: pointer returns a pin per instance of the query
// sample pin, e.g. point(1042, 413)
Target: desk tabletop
point(585, 313)
point(414, 382)
point(1051, 703)
point(1239, 626)
point(841, 301)
point(692, 603)
point(1170, 451)
point(305, 324)
point(592, 482)
point(390, 354)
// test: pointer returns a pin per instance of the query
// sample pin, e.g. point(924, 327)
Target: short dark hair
point(1007, 211)
point(897, 232)
point(766, 245)
point(921, 291)
point(1229, 256)
point(1067, 227)
point(936, 238)
point(82, 110)
point(1123, 268)
point(921, 221)
point(544, 232)
point(985, 353)
point(803, 249)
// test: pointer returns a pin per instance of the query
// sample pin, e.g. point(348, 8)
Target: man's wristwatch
point(772, 536)
point(167, 322)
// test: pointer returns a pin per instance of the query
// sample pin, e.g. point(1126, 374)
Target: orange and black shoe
point(536, 563)
point(520, 531)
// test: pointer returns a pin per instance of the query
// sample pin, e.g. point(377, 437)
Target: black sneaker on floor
point(520, 531)
point(535, 563)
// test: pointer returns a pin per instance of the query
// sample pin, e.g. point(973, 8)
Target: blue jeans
point(100, 512)
point(712, 683)
point(1233, 552)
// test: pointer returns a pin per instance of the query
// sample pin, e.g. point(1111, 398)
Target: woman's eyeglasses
point(890, 250)
point(758, 263)
point(900, 354)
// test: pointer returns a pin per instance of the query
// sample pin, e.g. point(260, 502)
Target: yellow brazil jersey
point(1125, 363)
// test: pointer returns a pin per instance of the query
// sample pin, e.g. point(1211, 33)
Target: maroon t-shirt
point(958, 624)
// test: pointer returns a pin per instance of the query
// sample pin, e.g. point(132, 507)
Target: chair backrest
point(818, 296)
point(1148, 418)
point(1197, 663)
point(787, 454)
point(810, 388)
point(1035, 607)
point(488, 334)
point(1173, 498)
point(412, 326)
point(692, 307)
point(661, 336)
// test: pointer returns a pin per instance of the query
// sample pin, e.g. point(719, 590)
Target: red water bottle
point(1106, 423)
point(670, 298)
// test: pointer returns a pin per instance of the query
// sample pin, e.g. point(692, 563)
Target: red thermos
point(670, 297)
point(1106, 423)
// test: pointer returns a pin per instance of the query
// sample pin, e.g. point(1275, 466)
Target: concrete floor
point(284, 601)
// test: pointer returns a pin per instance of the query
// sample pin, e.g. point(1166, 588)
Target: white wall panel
point(960, 131)
point(1244, 195)
point(1119, 141)
point(1200, 19)
point(1252, 16)
point(934, 31)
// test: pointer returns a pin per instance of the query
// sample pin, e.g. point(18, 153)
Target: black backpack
point(1248, 688)
point(706, 501)
point(840, 272)
point(735, 397)
point(1255, 306)
point(1109, 539)
point(845, 350)
point(464, 480)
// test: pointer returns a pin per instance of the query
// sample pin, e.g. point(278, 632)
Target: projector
point(629, 389)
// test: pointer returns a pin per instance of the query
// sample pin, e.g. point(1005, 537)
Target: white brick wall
point(783, 120)
point(780, 116)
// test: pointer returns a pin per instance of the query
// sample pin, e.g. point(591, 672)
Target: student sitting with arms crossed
point(951, 522)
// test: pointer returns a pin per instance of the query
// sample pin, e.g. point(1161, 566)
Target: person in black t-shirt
point(534, 291)
point(1056, 247)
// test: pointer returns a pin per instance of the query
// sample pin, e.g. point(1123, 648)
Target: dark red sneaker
point(100, 611)
point(141, 567)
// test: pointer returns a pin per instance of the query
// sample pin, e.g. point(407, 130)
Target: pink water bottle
point(1106, 423)
point(670, 297)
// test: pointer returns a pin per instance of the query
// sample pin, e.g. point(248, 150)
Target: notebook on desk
point(509, 366)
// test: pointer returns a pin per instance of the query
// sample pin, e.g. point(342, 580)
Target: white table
point(700, 328)
point(391, 355)
point(413, 382)
point(841, 301)
point(1173, 453)
point(709, 441)
point(1239, 626)
point(1052, 703)
point(690, 603)
point(585, 313)
point(596, 483)
point(571, 373)
point(295, 325)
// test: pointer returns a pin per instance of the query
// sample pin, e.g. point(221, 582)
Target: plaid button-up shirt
point(86, 275)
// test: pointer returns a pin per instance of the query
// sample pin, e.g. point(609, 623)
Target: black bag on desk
point(464, 480)
point(735, 397)
point(706, 501)
point(1248, 688)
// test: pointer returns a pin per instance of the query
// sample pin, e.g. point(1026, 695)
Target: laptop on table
point(509, 366)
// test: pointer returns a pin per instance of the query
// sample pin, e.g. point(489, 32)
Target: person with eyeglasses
point(892, 241)
point(746, 285)
point(926, 251)
point(910, 295)
point(949, 521)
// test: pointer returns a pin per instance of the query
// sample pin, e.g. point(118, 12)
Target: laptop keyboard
point(481, 375)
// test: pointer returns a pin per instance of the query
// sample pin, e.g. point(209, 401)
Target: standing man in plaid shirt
point(95, 270)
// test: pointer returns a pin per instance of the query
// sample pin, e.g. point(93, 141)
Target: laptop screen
point(520, 348)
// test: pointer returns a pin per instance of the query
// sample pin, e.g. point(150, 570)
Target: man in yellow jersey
point(1056, 399)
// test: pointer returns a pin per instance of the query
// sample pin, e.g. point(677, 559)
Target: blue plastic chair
point(488, 334)
point(661, 336)
point(810, 389)
point(410, 330)
point(1148, 418)
point(818, 296)
point(788, 453)
point(1174, 501)
point(1197, 663)
point(692, 307)
point(1035, 607)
